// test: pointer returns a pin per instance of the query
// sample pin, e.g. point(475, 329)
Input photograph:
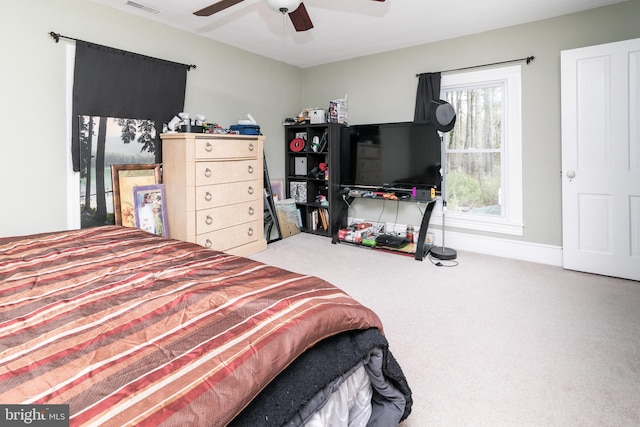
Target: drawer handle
point(250, 231)
point(209, 220)
point(250, 190)
point(208, 146)
point(207, 172)
point(251, 147)
point(208, 196)
point(208, 244)
point(251, 211)
point(250, 169)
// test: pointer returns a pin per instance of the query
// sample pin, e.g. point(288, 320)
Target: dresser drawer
point(212, 196)
point(226, 149)
point(230, 237)
point(221, 172)
point(208, 220)
point(214, 188)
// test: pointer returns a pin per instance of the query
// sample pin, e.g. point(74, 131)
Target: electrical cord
point(384, 201)
point(395, 222)
point(440, 263)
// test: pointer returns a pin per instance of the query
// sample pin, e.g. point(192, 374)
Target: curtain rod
point(528, 59)
point(58, 36)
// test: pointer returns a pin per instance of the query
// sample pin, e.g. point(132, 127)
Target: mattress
point(128, 328)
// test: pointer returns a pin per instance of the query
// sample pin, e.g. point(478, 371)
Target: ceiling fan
point(295, 8)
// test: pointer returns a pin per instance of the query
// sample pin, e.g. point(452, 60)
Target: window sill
point(478, 223)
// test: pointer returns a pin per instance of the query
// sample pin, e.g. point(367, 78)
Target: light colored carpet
point(493, 341)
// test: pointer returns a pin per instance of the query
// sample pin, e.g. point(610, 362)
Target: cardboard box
point(300, 167)
point(317, 116)
point(363, 233)
point(287, 213)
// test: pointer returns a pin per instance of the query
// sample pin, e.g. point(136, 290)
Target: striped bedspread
point(132, 329)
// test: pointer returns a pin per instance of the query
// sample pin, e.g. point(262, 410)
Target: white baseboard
point(506, 248)
point(525, 251)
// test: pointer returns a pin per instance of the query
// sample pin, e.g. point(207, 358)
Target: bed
point(128, 328)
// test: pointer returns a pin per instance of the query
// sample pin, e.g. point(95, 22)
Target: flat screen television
point(394, 156)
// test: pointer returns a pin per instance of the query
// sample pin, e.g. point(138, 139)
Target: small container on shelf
point(410, 233)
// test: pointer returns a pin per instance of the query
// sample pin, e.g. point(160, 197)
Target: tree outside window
point(474, 150)
point(484, 150)
point(105, 141)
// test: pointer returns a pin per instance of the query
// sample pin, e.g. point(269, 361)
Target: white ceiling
point(345, 29)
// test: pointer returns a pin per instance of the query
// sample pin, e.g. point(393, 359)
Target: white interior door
point(601, 159)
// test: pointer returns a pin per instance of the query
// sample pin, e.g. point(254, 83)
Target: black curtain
point(428, 90)
point(110, 82)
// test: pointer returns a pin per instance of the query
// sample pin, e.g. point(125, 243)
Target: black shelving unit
point(309, 187)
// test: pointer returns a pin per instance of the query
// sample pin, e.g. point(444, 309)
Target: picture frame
point(298, 191)
point(124, 178)
point(150, 209)
point(277, 189)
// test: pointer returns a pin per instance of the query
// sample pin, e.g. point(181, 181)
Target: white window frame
point(510, 221)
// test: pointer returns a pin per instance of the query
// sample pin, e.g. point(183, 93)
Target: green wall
point(34, 175)
point(229, 83)
point(381, 88)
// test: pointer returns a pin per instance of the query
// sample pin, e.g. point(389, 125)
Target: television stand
point(350, 194)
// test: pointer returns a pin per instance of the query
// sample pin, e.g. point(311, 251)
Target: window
point(483, 152)
point(105, 141)
point(143, 92)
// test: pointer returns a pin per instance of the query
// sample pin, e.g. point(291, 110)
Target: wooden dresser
point(214, 190)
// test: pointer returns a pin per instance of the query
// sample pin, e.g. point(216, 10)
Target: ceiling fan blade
point(300, 19)
point(216, 7)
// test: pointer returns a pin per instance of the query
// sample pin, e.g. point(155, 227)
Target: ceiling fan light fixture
point(283, 6)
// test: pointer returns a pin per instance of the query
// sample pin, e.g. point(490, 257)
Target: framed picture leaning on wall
point(124, 179)
point(150, 209)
